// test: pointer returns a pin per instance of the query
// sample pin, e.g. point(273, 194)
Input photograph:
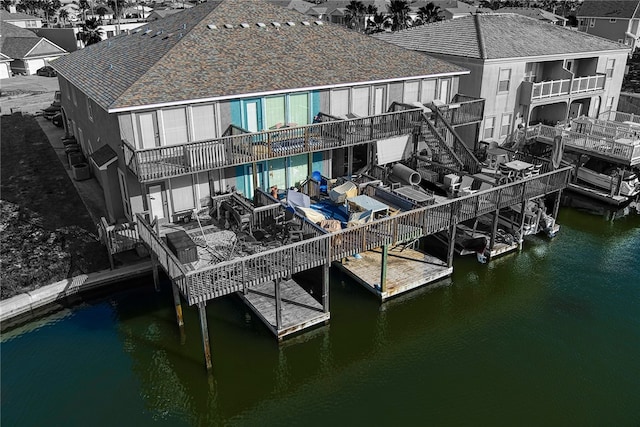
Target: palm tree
point(429, 13)
point(118, 7)
point(378, 23)
point(101, 11)
point(399, 15)
point(91, 32)
point(63, 15)
point(355, 14)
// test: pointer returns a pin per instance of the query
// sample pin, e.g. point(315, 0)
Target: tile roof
point(495, 36)
point(609, 9)
point(182, 58)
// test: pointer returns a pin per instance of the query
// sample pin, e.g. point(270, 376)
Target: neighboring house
point(66, 38)
point(537, 13)
point(458, 9)
point(20, 19)
point(166, 99)
point(162, 13)
point(527, 71)
point(108, 14)
point(27, 51)
point(5, 66)
point(614, 20)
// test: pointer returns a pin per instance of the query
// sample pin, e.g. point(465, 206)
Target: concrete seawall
point(28, 302)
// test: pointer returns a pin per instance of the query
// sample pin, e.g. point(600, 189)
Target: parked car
point(47, 71)
point(57, 119)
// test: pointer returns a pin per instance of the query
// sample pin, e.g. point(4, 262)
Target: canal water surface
point(546, 337)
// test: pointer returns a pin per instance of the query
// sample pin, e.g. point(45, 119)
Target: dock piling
point(178, 304)
point(278, 304)
point(383, 268)
point(202, 310)
point(154, 267)
point(325, 287)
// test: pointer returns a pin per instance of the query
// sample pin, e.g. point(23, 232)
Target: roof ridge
point(480, 36)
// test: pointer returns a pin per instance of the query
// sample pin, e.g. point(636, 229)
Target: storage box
point(182, 246)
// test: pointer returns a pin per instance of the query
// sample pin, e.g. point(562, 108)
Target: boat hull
point(628, 187)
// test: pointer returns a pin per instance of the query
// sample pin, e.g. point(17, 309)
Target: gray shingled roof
point(18, 16)
point(181, 59)
point(495, 36)
point(16, 42)
point(609, 9)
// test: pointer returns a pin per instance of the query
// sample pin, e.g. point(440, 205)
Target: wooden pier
point(406, 269)
point(284, 307)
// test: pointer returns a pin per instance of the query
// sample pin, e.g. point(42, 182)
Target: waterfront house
point(527, 71)
point(615, 20)
point(27, 51)
point(169, 97)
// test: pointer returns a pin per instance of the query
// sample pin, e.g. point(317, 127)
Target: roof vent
point(111, 66)
point(306, 23)
point(212, 27)
point(319, 23)
point(184, 26)
point(228, 25)
point(261, 24)
point(147, 31)
point(291, 24)
point(137, 30)
point(276, 24)
point(244, 25)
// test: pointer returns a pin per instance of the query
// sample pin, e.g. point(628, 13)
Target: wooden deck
point(406, 270)
point(300, 310)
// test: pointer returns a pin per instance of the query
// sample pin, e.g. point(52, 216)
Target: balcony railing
point(237, 149)
point(463, 110)
point(554, 88)
point(618, 116)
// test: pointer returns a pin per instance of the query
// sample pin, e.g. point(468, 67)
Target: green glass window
point(275, 112)
point(299, 108)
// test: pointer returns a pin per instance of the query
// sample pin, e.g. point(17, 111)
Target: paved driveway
point(30, 94)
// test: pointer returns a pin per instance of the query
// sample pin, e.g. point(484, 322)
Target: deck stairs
point(440, 152)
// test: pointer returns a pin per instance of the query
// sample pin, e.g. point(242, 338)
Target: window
point(299, 108)
point(530, 71)
point(610, 65)
point(444, 91)
point(74, 96)
point(428, 91)
point(275, 114)
point(340, 103)
point(410, 92)
point(203, 122)
point(592, 22)
point(489, 124)
point(503, 80)
point(175, 126)
point(505, 125)
point(89, 109)
point(360, 101)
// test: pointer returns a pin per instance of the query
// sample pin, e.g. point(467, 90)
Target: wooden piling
point(452, 244)
point(523, 206)
point(154, 268)
point(278, 304)
point(202, 310)
point(383, 268)
point(556, 204)
point(325, 287)
point(178, 304)
point(494, 230)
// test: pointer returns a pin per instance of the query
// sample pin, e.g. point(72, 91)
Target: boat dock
point(284, 307)
point(406, 269)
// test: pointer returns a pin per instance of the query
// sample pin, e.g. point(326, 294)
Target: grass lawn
point(47, 233)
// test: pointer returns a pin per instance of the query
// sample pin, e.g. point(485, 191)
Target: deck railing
point(618, 116)
point(118, 238)
point(462, 110)
point(237, 149)
point(463, 153)
point(239, 274)
point(604, 129)
point(602, 147)
point(561, 87)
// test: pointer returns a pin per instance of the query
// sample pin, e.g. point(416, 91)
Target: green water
point(546, 337)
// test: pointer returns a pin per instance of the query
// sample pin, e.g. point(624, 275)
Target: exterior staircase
point(440, 152)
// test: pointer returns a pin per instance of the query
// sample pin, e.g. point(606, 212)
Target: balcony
point(238, 149)
point(462, 110)
point(533, 92)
